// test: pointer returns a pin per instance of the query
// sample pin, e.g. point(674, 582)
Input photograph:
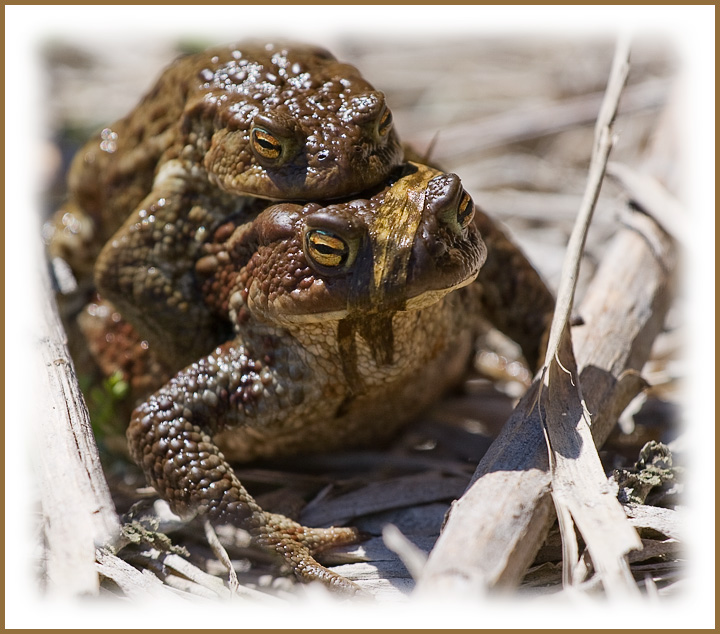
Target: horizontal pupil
point(326, 244)
point(267, 144)
point(326, 249)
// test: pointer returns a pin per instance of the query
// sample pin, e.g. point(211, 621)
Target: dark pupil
point(326, 249)
point(266, 144)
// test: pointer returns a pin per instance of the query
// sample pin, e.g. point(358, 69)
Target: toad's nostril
point(435, 247)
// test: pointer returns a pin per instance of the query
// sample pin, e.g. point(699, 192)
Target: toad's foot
point(299, 544)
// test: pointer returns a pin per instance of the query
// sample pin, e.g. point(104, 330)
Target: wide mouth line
point(420, 300)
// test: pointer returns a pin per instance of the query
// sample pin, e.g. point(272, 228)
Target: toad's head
point(402, 249)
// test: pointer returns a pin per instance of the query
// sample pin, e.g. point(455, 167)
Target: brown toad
point(282, 122)
point(349, 319)
point(322, 317)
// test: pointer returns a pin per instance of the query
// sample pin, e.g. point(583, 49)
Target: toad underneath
point(349, 319)
point(341, 320)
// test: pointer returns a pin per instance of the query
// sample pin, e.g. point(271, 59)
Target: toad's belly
point(356, 421)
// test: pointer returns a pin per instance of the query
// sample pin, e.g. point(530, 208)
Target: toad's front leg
point(171, 438)
point(147, 270)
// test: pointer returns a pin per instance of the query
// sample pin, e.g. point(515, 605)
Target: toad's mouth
point(430, 297)
point(418, 301)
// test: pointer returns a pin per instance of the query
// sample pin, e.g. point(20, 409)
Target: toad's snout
point(447, 251)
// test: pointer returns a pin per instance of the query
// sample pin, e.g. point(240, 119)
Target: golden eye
point(265, 144)
point(385, 122)
point(326, 249)
point(466, 211)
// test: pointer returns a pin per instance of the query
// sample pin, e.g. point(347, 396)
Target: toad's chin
point(430, 297)
point(417, 302)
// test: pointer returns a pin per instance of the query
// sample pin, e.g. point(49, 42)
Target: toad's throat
point(379, 285)
point(377, 331)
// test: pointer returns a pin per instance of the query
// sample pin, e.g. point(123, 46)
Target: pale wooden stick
point(222, 555)
point(580, 490)
point(413, 558)
point(598, 163)
point(78, 512)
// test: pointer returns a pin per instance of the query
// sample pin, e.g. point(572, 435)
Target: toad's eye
point(327, 249)
point(384, 123)
point(466, 211)
point(266, 145)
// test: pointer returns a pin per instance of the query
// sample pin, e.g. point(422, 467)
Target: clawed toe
point(298, 544)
